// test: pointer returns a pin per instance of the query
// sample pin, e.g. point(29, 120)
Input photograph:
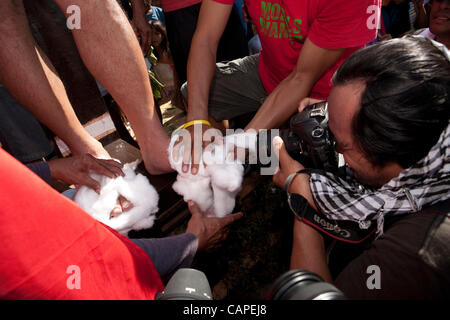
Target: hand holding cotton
point(134, 187)
point(214, 187)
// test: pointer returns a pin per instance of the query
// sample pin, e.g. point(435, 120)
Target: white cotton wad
point(134, 187)
point(196, 189)
point(213, 188)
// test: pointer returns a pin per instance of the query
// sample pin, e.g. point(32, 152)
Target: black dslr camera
point(308, 139)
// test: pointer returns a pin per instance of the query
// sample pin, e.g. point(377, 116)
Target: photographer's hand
point(306, 102)
point(308, 248)
point(287, 166)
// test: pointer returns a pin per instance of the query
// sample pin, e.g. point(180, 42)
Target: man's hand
point(209, 231)
point(140, 25)
point(421, 14)
point(76, 169)
point(306, 102)
point(143, 32)
point(308, 249)
point(245, 16)
point(194, 139)
point(287, 165)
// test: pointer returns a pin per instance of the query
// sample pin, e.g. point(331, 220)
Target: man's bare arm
point(308, 248)
point(202, 57)
point(312, 63)
point(212, 21)
point(110, 50)
point(29, 76)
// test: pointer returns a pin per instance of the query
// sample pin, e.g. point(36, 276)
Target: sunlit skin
point(122, 71)
point(440, 21)
point(343, 102)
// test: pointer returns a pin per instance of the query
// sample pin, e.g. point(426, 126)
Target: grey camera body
point(186, 284)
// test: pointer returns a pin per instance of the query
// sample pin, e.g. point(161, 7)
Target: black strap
point(342, 230)
point(443, 206)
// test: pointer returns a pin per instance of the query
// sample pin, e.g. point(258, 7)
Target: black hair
point(160, 27)
point(406, 101)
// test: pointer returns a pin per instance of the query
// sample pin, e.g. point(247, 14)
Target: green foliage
point(157, 86)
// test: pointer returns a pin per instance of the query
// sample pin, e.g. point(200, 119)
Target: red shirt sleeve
point(342, 24)
point(52, 249)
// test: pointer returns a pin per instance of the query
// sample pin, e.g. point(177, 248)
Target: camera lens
point(317, 133)
point(186, 284)
point(303, 285)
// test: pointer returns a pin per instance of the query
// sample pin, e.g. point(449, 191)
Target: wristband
point(291, 177)
point(194, 122)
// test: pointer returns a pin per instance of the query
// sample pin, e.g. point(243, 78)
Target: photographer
point(389, 113)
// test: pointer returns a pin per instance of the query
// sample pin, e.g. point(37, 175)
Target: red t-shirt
point(172, 5)
point(51, 249)
point(284, 25)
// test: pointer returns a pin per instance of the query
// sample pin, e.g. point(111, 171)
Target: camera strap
point(342, 230)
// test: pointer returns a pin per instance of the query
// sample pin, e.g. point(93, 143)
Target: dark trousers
point(20, 133)
point(181, 24)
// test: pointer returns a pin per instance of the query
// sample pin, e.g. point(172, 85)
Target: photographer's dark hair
point(406, 103)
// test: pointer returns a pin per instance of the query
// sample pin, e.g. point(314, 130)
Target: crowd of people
point(388, 93)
